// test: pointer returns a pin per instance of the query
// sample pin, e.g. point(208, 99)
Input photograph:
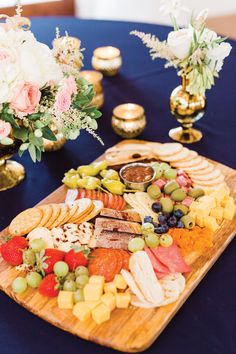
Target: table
point(206, 323)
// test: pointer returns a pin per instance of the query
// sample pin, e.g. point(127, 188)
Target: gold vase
point(11, 172)
point(187, 109)
point(54, 145)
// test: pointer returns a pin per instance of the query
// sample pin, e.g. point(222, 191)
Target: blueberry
point(162, 229)
point(148, 219)
point(180, 224)
point(162, 218)
point(178, 213)
point(156, 207)
point(172, 221)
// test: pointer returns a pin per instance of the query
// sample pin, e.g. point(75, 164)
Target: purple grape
point(180, 224)
point(156, 207)
point(172, 221)
point(148, 219)
point(162, 219)
point(178, 213)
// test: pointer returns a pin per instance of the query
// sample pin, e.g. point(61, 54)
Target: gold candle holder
point(107, 60)
point(128, 120)
point(95, 78)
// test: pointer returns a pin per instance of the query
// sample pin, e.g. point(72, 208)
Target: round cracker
point(47, 214)
point(198, 185)
point(202, 165)
point(84, 204)
point(192, 155)
point(83, 215)
point(176, 157)
point(212, 182)
point(25, 222)
point(71, 213)
point(98, 206)
point(61, 216)
point(204, 171)
point(185, 164)
point(208, 176)
point(55, 213)
point(167, 149)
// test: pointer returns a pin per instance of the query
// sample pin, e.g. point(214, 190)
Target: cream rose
point(179, 42)
point(217, 55)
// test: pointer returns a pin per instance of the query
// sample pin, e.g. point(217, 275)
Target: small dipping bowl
point(134, 180)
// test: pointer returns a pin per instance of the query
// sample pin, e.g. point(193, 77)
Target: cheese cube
point(93, 292)
point(82, 311)
point(200, 220)
point(217, 213)
point(220, 194)
point(97, 279)
point(93, 304)
point(123, 300)
point(208, 191)
point(193, 215)
point(202, 209)
point(65, 299)
point(101, 314)
point(110, 288)
point(208, 200)
point(229, 211)
point(120, 282)
point(211, 223)
point(109, 300)
point(193, 206)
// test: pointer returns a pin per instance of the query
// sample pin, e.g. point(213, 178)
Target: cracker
point(208, 176)
point(192, 155)
point(98, 206)
point(71, 213)
point(47, 214)
point(55, 213)
point(185, 164)
point(167, 149)
point(211, 182)
point(204, 171)
point(84, 204)
point(61, 216)
point(83, 215)
point(178, 156)
point(25, 222)
point(202, 165)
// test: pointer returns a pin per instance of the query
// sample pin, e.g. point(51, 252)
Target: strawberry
point(48, 258)
point(75, 258)
point(12, 251)
point(49, 286)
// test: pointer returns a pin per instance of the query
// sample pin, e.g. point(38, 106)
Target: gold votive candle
point(107, 60)
point(67, 51)
point(128, 120)
point(95, 78)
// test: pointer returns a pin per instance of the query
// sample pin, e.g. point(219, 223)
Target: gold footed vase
point(187, 109)
point(11, 172)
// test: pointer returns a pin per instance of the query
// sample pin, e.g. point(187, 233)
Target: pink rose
point(5, 129)
point(70, 85)
point(63, 101)
point(26, 98)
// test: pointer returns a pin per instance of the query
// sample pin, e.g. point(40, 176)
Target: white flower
point(200, 19)
point(217, 54)
point(179, 42)
point(172, 7)
point(4, 92)
point(207, 36)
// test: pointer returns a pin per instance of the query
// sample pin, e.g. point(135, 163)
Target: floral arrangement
point(37, 93)
point(196, 51)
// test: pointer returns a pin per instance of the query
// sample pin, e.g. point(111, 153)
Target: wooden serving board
point(134, 329)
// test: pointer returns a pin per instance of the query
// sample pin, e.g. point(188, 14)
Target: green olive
point(178, 195)
point(167, 205)
point(181, 207)
point(196, 192)
point(188, 221)
point(170, 187)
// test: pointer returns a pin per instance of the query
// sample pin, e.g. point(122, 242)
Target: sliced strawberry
point(75, 258)
point(49, 286)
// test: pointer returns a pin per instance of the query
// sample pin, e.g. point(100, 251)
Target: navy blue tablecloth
point(207, 321)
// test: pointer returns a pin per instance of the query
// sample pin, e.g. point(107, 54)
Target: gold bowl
point(95, 78)
point(107, 60)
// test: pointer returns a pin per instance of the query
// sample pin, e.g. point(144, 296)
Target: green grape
point(81, 270)
point(78, 295)
point(170, 173)
point(29, 257)
point(152, 240)
point(154, 191)
point(69, 285)
point(61, 269)
point(82, 280)
point(136, 244)
point(147, 227)
point(19, 285)
point(70, 276)
point(37, 245)
point(158, 170)
point(164, 166)
point(166, 240)
point(33, 279)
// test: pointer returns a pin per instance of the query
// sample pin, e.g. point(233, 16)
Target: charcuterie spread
point(126, 233)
